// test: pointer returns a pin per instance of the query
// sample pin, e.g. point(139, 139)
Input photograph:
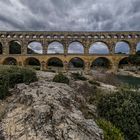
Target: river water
point(130, 80)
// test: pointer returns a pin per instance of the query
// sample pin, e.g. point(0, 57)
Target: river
point(130, 80)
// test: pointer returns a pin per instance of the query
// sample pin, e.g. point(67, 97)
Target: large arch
point(138, 48)
point(35, 47)
point(101, 63)
point(55, 62)
point(31, 61)
point(14, 47)
point(124, 62)
point(76, 63)
point(10, 61)
point(122, 47)
point(75, 48)
point(55, 48)
point(98, 48)
point(1, 49)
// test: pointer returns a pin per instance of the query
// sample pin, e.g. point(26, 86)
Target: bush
point(12, 75)
point(3, 86)
point(78, 76)
point(110, 131)
point(123, 110)
point(29, 75)
point(60, 78)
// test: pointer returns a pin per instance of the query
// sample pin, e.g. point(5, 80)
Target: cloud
point(72, 15)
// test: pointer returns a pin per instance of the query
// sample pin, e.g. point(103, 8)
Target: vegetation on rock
point(78, 76)
point(110, 131)
point(134, 59)
point(123, 110)
point(60, 78)
point(12, 75)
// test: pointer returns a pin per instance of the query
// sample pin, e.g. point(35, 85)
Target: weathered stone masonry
point(85, 38)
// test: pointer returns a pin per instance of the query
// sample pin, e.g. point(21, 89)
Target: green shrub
point(78, 76)
point(123, 110)
point(60, 78)
point(14, 78)
point(3, 86)
point(110, 131)
point(29, 75)
point(12, 75)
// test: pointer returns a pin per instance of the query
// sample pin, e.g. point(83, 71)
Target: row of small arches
point(75, 62)
point(96, 36)
point(73, 48)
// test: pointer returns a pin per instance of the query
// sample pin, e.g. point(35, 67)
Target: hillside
point(46, 110)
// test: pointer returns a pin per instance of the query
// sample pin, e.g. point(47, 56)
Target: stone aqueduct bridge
point(85, 38)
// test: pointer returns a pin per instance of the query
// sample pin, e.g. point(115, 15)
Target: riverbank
point(128, 73)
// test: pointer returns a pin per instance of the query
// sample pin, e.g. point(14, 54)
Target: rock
point(47, 111)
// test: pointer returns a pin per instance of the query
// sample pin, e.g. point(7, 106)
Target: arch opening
point(35, 47)
point(75, 48)
point(1, 49)
point(33, 62)
point(10, 61)
point(123, 63)
point(131, 63)
point(76, 63)
point(55, 48)
point(55, 64)
point(101, 63)
point(122, 48)
point(138, 49)
point(98, 48)
point(14, 47)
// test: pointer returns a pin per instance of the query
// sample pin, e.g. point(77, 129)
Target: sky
point(70, 15)
point(78, 48)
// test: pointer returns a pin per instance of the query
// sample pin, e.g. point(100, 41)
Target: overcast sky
point(72, 15)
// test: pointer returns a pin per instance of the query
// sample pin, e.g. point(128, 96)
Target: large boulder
point(47, 111)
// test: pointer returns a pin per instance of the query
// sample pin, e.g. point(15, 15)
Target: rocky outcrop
point(46, 111)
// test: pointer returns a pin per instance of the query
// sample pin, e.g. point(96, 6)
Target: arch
point(55, 62)
point(55, 48)
point(35, 47)
point(138, 48)
point(14, 47)
point(1, 49)
point(124, 62)
point(75, 48)
point(101, 63)
point(122, 47)
point(31, 61)
point(98, 48)
point(76, 63)
point(10, 61)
